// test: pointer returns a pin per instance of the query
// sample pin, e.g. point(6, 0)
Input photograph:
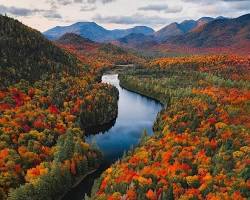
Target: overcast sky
point(45, 14)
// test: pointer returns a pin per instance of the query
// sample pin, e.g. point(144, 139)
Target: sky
point(111, 14)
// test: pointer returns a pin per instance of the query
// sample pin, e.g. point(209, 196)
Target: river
point(136, 113)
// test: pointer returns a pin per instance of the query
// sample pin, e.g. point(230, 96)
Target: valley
point(136, 114)
point(197, 136)
point(92, 113)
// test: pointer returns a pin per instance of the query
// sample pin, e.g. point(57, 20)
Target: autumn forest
point(52, 97)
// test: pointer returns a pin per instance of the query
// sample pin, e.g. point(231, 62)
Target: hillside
point(26, 54)
point(74, 39)
point(61, 134)
point(96, 54)
point(217, 34)
point(45, 100)
point(200, 146)
point(95, 32)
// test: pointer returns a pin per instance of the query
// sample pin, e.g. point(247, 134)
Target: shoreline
point(78, 181)
point(142, 94)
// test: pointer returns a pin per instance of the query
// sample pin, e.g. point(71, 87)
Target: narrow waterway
point(136, 113)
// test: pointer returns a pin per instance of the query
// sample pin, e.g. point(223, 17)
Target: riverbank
point(140, 92)
point(80, 179)
point(135, 113)
point(200, 143)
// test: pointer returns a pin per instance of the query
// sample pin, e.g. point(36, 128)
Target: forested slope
point(44, 90)
point(97, 55)
point(200, 149)
point(26, 54)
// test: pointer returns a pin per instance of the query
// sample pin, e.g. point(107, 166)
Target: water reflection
point(135, 113)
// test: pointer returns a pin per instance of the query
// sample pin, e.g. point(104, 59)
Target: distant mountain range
point(135, 40)
point(180, 29)
point(206, 32)
point(206, 35)
point(93, 31)
point(217, 33)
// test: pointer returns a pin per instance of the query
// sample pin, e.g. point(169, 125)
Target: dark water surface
point(135, 113)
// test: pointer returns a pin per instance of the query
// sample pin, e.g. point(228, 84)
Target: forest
point(51, 95)
point(42, 148)
point(200, 147)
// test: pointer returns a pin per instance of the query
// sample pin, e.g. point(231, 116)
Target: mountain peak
point(143, 27)
point(85, 23)
point(205, 18)
point(220, 17)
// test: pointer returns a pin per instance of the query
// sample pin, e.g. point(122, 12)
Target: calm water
point(135, 113)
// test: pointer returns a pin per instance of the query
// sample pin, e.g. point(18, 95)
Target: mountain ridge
point(221, 35)
point(184, 27)
point(97, 33)
point(94, 32)
point(220, 32)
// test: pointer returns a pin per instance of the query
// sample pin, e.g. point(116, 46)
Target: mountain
point(218, 33)
point(95, 32)
point(207, 35)
point(119, 33)
point(26, 54)
point(74, 39)
point(94, 53)
point(142, 41)
point(168, 31)
point(205, 20)
point(88, 30)
point(136, 40)
point(175, 29)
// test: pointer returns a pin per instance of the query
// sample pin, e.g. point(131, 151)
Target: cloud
point(29, 12)
point(214, 1)
point(161, 7)
point(131, 20)
point(235, 0)
point(101, 1)
point(50, 14)
point(18, 11)
point(64, 2)
point(220, 7)
point(85, 2)
point(87, 8)
point(242, 6)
